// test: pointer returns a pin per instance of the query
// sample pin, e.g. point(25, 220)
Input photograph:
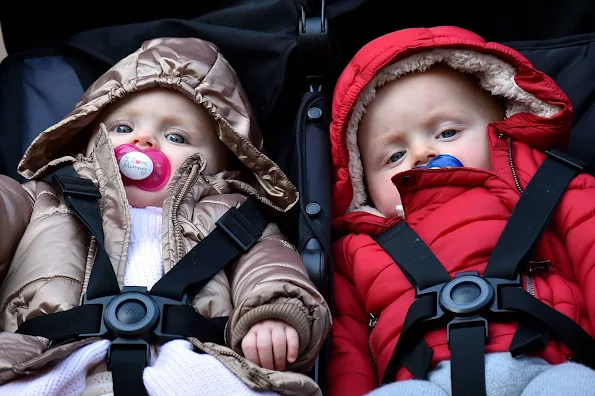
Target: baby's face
point(418, 117)
point(165, 120)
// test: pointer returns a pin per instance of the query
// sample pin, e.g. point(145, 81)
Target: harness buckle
point(164, 303)
point(103, 331)
point(467, 298)
point(466, 295)
point(435, 291)
point(132, 315)
point(132, 318)
point(497, 284)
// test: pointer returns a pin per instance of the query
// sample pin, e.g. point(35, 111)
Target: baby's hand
point(270, 344)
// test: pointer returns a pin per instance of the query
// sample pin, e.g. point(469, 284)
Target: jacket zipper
point(514, 175)
point(371, 326)
point(174, 209)
point(530, 286)
point(533, 267)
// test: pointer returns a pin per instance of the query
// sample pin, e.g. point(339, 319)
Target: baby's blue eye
point(448, 133)
point(396, 156)
point(123, 129)
point(176, 138)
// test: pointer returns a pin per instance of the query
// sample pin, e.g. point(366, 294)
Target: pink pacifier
point(147, 169)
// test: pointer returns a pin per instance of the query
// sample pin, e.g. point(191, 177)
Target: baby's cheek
point(116, 139)
point(475, 153)
point(385, 197)
point(476, 159)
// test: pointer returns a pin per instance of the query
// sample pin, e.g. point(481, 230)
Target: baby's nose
point(144, 139)
point(422, 155)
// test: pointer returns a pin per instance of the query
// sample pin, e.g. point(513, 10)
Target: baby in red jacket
point(417, 118)
point(444, 98)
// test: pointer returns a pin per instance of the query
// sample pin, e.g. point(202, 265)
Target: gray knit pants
point(505, 376)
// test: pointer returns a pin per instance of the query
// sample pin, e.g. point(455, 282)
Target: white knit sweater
point(176, 370)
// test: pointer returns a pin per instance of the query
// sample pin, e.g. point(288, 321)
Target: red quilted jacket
point(459, 213)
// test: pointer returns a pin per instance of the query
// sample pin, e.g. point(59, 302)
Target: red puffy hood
point(531, 98)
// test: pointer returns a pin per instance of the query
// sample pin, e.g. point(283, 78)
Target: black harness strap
point(467, 369)
point(127, 366)
point(411, 350)
point(236, 232)
point(423, 270)
point(466, 302)
point(531, 215)
point(81, 195)
point(135, 318)
point(420, 265)
point(65, 326)
point(466, 333)
point(561, 326)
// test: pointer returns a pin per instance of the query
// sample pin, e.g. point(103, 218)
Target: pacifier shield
point(442, 161)
point(147, 169)
point(136, 165)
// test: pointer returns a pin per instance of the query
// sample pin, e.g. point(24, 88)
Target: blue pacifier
point(442, 161)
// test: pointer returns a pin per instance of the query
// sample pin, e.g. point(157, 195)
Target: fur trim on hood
point(499, 70)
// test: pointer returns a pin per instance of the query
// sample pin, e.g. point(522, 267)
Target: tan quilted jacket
point(46, 255)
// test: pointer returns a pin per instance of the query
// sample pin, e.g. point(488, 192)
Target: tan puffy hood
point(198, 70)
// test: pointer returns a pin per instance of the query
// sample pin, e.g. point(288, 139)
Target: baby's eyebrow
point(189, 126)
point(390, 136)
point(174, 119)
point(128, 111)
point(434, 118)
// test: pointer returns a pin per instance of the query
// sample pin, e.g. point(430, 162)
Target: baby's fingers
point(249, 348)
point(279, 347)
point(264, 345)
point(293, 344)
